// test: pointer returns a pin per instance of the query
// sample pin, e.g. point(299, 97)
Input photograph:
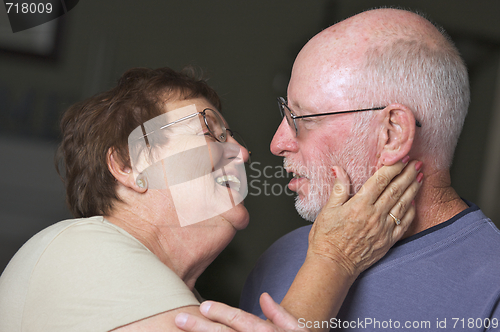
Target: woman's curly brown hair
point(94, 126)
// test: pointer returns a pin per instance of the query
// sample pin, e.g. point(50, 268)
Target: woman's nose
point(244, 152)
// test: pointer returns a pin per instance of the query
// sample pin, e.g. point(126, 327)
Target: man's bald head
point(386, 56)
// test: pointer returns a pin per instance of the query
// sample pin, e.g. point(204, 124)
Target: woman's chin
point(238, 216)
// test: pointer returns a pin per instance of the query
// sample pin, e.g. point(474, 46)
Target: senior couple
point(156, 180)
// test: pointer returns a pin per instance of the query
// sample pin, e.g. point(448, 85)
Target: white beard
point(354, 159)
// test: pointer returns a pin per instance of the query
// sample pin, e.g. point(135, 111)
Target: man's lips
point(298, 182)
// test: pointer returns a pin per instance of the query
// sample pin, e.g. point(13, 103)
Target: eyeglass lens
point(285, 112)
point(217, 128)
point(215, 125)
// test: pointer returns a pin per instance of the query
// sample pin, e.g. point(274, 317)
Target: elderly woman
point(157, 181)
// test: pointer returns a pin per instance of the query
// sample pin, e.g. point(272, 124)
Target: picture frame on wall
point(42, 41)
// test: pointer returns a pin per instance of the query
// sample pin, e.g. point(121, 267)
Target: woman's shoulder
point(95, 232)
point(88, 271)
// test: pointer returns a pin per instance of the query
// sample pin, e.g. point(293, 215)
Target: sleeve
point(275, 270)
point(95, 277)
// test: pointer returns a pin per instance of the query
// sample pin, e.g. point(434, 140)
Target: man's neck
point(436, 202)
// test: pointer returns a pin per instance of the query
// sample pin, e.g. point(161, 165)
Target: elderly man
point(445, 273)
point(362, 94)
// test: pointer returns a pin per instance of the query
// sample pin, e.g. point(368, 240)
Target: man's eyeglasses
point(215, 124)
point(292, 118)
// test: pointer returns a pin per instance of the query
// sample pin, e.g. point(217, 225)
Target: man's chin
point(307, 208)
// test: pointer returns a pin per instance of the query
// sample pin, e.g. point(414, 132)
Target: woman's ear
point(397, 134)
point(123, 174)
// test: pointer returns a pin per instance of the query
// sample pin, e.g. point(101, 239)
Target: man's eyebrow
point(303, 111)
point(294, 106)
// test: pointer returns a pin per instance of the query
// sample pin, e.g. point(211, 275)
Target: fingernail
point(181, 319)
point(334, 172)
point(418, 166)
point(205, 306)
point(405, 159)
point(420, 177)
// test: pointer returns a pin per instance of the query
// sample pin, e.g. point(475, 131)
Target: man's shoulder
point(296, 237)
point(452, 269)
point(275, 270)
point(290, 247)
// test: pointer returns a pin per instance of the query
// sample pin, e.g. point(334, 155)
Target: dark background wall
point(247, 49)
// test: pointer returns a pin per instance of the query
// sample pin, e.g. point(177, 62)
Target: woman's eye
point(208, 134)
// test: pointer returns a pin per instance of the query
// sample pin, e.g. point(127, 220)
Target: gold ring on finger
point(396, 220)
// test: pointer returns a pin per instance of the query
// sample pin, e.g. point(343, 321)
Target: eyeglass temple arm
point(179, 120)
point(341, 112)
point(168, 124)
point(417, 123)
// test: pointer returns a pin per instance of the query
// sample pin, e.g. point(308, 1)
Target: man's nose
point(284, 140)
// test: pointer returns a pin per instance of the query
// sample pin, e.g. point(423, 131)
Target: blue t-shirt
point(446, 278)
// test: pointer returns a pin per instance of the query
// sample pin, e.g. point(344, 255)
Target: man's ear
point(123, 174)
point(396, 135)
